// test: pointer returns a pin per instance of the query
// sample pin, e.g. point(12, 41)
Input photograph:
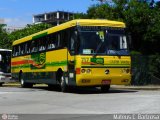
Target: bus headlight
point(83, 70)
point(88, 71)
point(126, 70)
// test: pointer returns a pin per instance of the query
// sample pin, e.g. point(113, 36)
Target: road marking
point(4, 92)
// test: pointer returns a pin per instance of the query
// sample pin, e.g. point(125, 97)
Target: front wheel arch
point(20, 75)
point(59, 74)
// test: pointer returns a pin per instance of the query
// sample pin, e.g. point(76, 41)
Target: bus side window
point(64, 38)
point(16, 50)
point(13, 51)
point(22, 49)
point(25, 46)
point(28, 46)
point(19, 50)
point(51, 42)
point(58, 40)
point(42, 44)
point(72, 40)
point(34, 47)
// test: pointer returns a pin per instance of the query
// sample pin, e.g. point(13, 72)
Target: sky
point(18, 13)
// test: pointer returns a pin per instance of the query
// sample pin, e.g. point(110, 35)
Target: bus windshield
point(102, 43)
point(5, 61)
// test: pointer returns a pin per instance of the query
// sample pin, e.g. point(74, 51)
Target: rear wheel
point(105, 88)
point(1, 84)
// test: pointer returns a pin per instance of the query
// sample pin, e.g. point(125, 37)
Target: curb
point(150, 87)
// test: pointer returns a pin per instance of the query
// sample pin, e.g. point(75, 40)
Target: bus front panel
point(102, 70)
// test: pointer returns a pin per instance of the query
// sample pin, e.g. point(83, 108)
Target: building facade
point(10, 29)
point(54, 18)
point(2, 21)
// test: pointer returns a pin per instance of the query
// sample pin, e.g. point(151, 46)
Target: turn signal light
point(78, 70)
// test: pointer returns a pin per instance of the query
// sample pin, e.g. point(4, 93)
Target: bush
point(154, 65)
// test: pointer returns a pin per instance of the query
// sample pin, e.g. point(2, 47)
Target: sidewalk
point(145, 87)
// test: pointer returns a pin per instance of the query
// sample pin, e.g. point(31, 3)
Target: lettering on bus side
point(97, 61)
point(93, 61)
point(125, 62)
point(85, 60)
point(114, 61)
point(119, 62)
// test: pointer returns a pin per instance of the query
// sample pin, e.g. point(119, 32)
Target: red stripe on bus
point(23, 62)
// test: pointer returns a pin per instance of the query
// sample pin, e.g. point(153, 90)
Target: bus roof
point(72, 23)
point(5, 50)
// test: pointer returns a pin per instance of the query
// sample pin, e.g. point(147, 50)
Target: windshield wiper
point(98, 47)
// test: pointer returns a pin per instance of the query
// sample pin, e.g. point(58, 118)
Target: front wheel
point(63, 84)
point(1, 84)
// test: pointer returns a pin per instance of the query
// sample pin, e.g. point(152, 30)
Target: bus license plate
point(106, 82)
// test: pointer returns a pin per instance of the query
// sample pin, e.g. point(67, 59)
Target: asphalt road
point(79, 102)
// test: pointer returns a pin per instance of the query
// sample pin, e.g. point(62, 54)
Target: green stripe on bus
point(40, 35)
point(21, 66)
point(118, 64)
point(62, 63)
point(105, 66)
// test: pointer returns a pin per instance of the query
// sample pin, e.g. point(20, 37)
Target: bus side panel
point(40, 67)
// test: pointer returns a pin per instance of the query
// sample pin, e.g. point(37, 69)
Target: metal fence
point(141, 71)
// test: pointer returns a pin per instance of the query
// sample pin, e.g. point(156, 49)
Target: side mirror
point(0, 57)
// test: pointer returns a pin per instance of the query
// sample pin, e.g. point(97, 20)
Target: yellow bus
point(81, 52)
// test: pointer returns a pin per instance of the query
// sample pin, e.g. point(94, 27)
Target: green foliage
point(28, 30)
point(155, 65)
point(80, 15)
point(142, 22)
point(135, 53)
point(101, 11)
point(140, 70)
point(3, 37)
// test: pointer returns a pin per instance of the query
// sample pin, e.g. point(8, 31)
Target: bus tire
point(1, 84)
point(63, 84)
point(53, 87)
point(105, 88)
point(23, 83)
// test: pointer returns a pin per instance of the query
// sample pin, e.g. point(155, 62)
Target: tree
point(4, 42)
point(141, 20)
point(80, 15)
point(28, 30)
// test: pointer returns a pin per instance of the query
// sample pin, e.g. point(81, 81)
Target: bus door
point(71, 57)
